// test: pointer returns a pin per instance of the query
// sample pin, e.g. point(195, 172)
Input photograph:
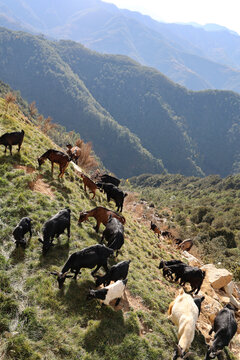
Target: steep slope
point(179, 51)
point(36, 319)
point(41, 75)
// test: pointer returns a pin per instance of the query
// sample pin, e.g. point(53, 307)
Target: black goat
point(55, 226)
point(194, 276)
point(95, 255)
point(172, 267)
point(104, 187)
point(21, 229)
point(109, 179)
point(114, 234)
point(10, 139)
point(116, 272)
point(225, 327)
point(116, 195)
point(169, 263)
point(177, 270)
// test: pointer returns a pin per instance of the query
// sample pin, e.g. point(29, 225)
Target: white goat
point(109, 293)
point(184, 312)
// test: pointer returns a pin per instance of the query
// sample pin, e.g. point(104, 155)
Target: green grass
point(39, 321)
point(204, 209)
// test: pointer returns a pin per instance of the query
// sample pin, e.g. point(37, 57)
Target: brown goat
point(101, 214)
point(185, 245)
point(90, 184)
point(74, 152)
point(10, 139)
point(57, 157)
point(155, 229)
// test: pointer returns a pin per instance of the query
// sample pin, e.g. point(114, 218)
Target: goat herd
point(183, 311)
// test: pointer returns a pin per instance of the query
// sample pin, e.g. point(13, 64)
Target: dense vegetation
point(206, 210)
point(195, 57)
point(138, 120)
point(69, 102)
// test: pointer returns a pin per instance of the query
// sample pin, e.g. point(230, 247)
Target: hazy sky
point(221, 12)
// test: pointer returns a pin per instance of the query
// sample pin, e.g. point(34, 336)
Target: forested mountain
point(32, 65)
point(189, 55)
point(138, 120)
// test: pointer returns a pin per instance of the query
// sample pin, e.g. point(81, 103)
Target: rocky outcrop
point(218, 278)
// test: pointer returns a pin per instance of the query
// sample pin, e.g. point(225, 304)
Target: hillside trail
point(143, 213)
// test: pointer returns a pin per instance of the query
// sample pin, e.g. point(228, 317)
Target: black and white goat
point(109, 293)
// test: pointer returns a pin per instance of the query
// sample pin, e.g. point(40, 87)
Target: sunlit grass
point(39, 321)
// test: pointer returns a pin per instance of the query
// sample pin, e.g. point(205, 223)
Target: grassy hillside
point(38, 321)
point(207, 210)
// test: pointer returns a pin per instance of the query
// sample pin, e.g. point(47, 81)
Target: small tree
point(45, 125)
point(86, 160)
point(10, 98)
point(32, 109)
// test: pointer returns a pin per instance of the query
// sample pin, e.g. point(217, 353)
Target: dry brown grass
point(32, 109)
point(10, 98)
point(45, 125)
point(86, 160)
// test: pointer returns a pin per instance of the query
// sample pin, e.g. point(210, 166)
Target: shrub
point(198, 214)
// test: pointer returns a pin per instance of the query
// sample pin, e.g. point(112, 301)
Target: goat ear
point(40, 240)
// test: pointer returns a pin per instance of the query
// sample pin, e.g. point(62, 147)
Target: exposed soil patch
point(40, 186)
point(27, 169)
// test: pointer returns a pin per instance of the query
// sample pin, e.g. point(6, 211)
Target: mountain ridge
point(105, 28)
point(125, 109)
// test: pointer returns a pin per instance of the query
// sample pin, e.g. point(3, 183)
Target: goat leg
point(97, 268)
